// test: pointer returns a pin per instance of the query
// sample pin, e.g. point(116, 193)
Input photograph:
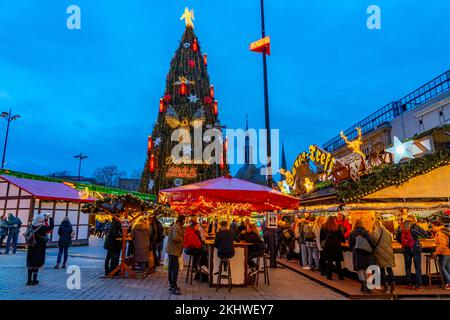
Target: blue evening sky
point(96, 90)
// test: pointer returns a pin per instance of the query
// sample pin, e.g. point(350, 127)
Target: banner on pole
point(260, 45)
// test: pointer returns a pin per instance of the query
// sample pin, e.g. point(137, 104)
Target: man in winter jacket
point(174, 250)
point(14, 225)
point(442, 250)
point(408, 235)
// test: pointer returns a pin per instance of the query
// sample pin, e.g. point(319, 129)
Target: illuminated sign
point(181, 172)
point(260, 45)
point(318, 156)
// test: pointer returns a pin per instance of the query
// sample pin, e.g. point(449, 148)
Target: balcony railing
point(432, 89)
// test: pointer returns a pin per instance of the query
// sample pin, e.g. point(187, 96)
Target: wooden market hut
point(26, 197)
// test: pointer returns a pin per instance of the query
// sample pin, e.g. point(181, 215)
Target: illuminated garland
point(117, 204)
point(391, 175)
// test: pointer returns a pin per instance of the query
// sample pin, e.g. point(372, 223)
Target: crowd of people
point(145, 245)
point(321, 242)
point(9, 228)
point(192, 240)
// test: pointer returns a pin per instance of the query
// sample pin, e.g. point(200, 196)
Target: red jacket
point(192, 239)
point(345, 224)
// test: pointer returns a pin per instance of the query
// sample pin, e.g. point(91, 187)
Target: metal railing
point(425, 93)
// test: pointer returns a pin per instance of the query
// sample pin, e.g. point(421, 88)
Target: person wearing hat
point(174, 249)
point(36, 253)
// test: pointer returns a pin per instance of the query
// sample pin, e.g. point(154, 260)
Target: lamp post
point(81, 157)
point(8, 117)
point(266, 101)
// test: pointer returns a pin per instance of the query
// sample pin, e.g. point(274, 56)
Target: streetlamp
point(266, 101)
point(8, 117)
point(81, 157)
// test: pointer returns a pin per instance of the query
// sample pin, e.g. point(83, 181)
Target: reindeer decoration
point(353, 165)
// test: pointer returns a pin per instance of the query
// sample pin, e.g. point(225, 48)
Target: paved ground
point(285, 284)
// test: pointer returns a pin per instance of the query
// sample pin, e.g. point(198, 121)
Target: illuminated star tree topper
point(188, 17)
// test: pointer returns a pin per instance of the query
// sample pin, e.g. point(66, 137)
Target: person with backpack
point(383, 254)
point(36, 238)
point(362, 247)
point(14, 225)
point(408, 235)
point(65, 232)
point(311, 245)
point(441, 237)
point(3, 230)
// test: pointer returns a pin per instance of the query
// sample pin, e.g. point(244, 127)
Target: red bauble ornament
point(161, 105)
point(207, 100)
point(167, 98)
point(215, 107)
point(194, 46)
point(151, 163)
point(211, 91)
point(191, 63)
point(205, 59)
point(183, 89)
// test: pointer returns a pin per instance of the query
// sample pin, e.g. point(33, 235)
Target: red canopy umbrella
point(227, 194)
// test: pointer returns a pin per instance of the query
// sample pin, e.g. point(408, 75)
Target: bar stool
point(191, 269)
point(265, 270)
point(428, 273)
point(224, 262)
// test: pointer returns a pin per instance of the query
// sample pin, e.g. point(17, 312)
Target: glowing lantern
point(194, 46)
point(205, 59)
point(151, 164)
point(183, 89)
point(150, 144)
point(211, 91)
point(215, 107)
point(161, 105)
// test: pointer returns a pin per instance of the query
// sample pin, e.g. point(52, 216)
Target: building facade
point(420, 113)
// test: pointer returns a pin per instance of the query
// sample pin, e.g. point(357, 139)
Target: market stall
point(422, 193)
point(26, 197)
point(126, 209)
point(222, 198)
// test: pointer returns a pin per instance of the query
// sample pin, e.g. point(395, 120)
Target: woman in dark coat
point(332, 238)
point(256, 249)
point(65, 241)
point(113, 246)
point(36, 253)
point(361, 259)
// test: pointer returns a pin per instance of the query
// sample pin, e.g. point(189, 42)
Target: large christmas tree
point(188, 102)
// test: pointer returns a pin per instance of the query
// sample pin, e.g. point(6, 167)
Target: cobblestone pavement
point(284, 284)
